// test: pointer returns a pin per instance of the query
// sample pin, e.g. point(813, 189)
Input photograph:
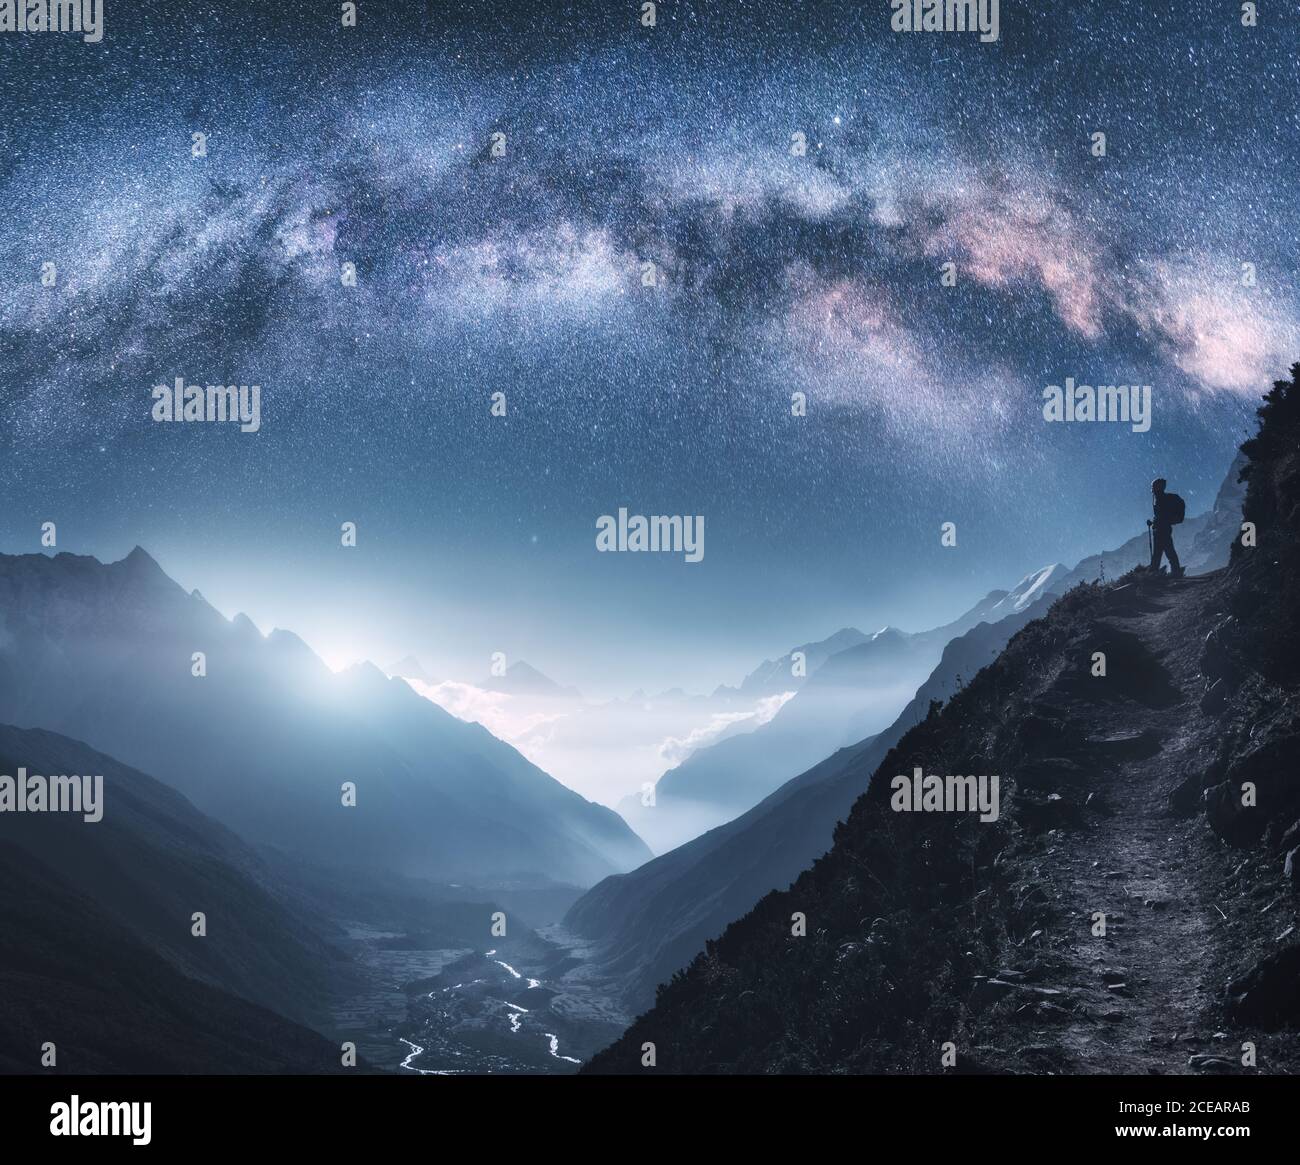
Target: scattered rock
point(1209, 1064)
point(1047, 1057)
point(881, 933)
point(1046, 1012)
point(1265, 760)
point(1128, 746)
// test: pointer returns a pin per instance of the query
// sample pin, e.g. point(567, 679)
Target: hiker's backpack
point(1175, 508)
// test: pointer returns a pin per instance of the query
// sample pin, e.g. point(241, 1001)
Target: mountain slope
point(1118, 793)
point(98, 955)
point(267, 738)
point(110, 1004)
point(153, 860)
point(865, 683)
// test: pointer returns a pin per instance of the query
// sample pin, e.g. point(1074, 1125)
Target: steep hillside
point(153, 860)
point(1121, 795)
point(266, 739)
point(111, 1004)
point(99, 957)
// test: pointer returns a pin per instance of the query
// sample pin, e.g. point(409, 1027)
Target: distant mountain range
point(778, 675)
point(602, 747)
point(854, 687)
point(522, 679)
point(268, 738)
point(409, 668)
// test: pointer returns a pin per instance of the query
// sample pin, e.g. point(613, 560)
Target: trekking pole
point(1151, 545)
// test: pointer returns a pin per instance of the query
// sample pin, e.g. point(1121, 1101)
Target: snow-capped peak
point(1030, 589)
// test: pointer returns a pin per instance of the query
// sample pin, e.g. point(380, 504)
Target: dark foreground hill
point(1160, 799)
point(96, 951)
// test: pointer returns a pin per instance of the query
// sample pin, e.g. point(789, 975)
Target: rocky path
point(1145, 995)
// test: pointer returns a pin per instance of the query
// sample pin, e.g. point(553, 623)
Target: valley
point(534, 1007)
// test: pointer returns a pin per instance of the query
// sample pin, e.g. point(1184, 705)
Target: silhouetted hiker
point(1168, 510)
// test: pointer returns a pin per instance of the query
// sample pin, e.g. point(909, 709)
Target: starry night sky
point(522, 274)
